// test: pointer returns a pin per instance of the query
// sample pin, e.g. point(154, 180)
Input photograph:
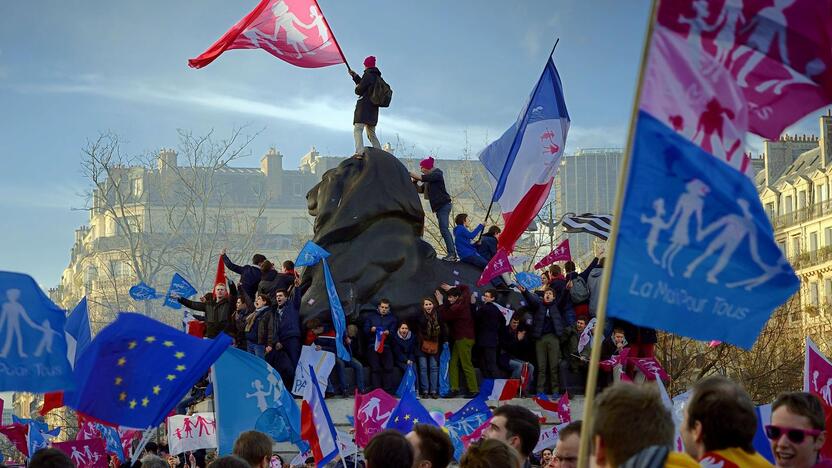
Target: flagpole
point(601, 314)
point(326, 23)
point(490, 205)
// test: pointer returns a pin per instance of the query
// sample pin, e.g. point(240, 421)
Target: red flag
point(560, 254)
point(52, 400)
point(220, 277)
point(498, 265)
point(294, 31)
point(17, 434)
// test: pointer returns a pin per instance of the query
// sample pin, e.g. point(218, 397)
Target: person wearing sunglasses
point(797, 431)
point(720, 424)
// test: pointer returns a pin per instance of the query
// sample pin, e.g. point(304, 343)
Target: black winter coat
point(561, 319)
point(489, 321)
point(365, 111)
point(433, 186)
point(249, 275)
point(218, 315)
point(487, 246)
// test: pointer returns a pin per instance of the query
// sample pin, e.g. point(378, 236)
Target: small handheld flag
point(498, 265)
point(560, 254)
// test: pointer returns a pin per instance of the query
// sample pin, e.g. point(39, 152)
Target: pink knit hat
point(427, 163)
point(370, 61)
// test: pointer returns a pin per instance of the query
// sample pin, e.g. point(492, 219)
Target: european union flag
point(476, 406)
point(137, 369)
point(407, 413)
point(249, 394)
point(32, 344)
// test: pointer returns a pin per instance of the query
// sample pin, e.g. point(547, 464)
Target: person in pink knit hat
point(431, 182)
point(366, 113)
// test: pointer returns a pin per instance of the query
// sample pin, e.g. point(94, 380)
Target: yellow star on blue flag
point(407, 413)
point(137, 369)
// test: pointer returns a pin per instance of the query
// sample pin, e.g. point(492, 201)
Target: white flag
point(189, 433)
point(321, 361)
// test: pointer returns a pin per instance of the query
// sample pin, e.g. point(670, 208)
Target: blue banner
point(142, 292)
point(180, 286)
point(32, 342)
point(309, 255)
point(408, 383)
point(529, 281)
point(77, 328)
point(696, 254)
point(444, 368)
point(249, 393)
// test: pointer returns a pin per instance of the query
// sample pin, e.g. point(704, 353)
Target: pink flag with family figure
point(370, 414)
point(294, 31)
point(498, 265)
point(651, 368)
point(778, 55)
point(817, 380)
point(560, 254)
point(87, 453)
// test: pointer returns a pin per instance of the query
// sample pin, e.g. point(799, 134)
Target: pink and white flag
point(498, 265)
point(507, 313)
point(817, 380)
point(651, 368)
point(294, 31)
point(560, 254)
point(190, 433)
point(89, 453)
point(370, 414)
point(548, 438)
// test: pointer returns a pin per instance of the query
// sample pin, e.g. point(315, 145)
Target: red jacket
point(458, 316)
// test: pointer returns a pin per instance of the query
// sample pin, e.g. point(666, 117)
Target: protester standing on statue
point(249, 274)
point(489, 321)
point(463, 241)
point(430, 334)
point(487, 245)
point(456, 312)
point(381, 325)
point(550, 328)
point(219, 310)
point(284, 351)
point(366, 113)
point(433, 186)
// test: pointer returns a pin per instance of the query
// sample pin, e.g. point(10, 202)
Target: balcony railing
point(813, 258)
point(804, 214)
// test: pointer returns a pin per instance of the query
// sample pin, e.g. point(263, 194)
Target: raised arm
point(193, 305)
point(231, 265)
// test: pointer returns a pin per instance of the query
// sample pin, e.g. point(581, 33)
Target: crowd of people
point(631, 428)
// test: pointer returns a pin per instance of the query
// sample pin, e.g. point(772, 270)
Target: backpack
point(579, 291)
point(382, 94)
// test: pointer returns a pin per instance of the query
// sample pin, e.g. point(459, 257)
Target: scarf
point(432, 327)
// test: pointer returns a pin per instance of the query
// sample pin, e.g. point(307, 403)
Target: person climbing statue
point(431, 182)
point(366, 113)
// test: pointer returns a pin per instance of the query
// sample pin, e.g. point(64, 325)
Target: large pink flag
point(560, 254)
point(371, 413)
point(817, 380)
point(292, 30)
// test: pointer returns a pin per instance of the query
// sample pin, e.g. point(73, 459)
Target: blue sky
point(69, 70)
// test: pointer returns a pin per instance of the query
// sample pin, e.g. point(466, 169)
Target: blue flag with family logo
point(309, 255)
point(32, 343)
point(142, 292)
point(137, 369)
point(249, 394)
point(696, 254)
point(181, 287)
point(39, 434)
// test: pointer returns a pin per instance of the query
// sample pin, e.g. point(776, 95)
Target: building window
point(814, 295)
point(787, 204)
point(770, 209)
point(827, 236)
point(813, 241)
point(795, 246)
point(801, 199)
point(120, 269)
point(298, 189)
point(138, 187)
point(261, 225)
point(827, 290)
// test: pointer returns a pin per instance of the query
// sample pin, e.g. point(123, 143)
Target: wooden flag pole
point(326, 23)
point(601, 314)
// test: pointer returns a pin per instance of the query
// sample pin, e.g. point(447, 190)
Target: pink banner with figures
point(190, 433)
point(88, 453)
point(294, 31)
point(651, 368)
point(498, 265)
point(561, 253)
point(817, 380)
point(371, 413)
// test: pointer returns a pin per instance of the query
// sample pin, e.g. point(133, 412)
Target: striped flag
point(597, 225)
point(499, 389)
point(316, 424)
point(380, 338)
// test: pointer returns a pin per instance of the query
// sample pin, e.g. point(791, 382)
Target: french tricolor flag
point(380, 338)
point(316, 426)
point(525, 159)
point(499, 389)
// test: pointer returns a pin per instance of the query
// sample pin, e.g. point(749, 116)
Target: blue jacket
point(387, 322)
point(249, 276)
point(404, 350)
point(487, 247)
point(560, 319)
point(463, 239)
point(287, 324)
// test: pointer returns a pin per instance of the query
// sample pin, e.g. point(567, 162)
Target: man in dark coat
point(249, 274)
point(487, 245)
point(489, 323)
point(284, 352)
point(431, 182)
point(219, 310)
point(550, 328)
point(366, 113)
point(381, 362)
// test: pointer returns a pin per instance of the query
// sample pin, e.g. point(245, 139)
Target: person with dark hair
point(432, 447)
point(641, 340)
point(249, 274)
point(633, 428)
point(381, 361)
point(153, 461)
point(258, 325)
point(566, 450)
point(404, 348)
point(487, 245)
point(429, 332)
point(720, 423)
point(456, 312)
point(388, 449)
point(239, 319)
point(273, 281)
point(229, 461)
point(515, 347)
point(283, 352)
point(516, 426)
point(431, 182)
point(366, 112)
point(50, 458)
point(489, 321)
point(575, 363)
point(463, 241)
point(255, 448)
point(797, 431)
point(577, 289)
point(491, 453)
point(219, 309)
point(550, 329)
